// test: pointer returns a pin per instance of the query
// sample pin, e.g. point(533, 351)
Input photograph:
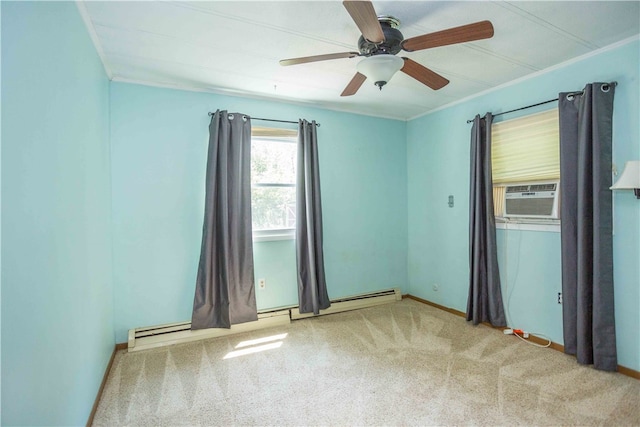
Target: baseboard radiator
point(176, 333)
point(353, 303)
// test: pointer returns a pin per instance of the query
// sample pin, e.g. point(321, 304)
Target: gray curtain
point(485, 296)
point(312, 287)
point(587, 243)
point(225, 292)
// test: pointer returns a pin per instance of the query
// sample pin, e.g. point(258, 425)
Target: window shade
point(257, 131)
point(526, 148)
point(498, 200)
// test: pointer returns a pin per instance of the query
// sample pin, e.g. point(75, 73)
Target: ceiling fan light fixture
point(380, 68)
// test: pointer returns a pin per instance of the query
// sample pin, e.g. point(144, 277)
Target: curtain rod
point(267, 120)
point(543, 102)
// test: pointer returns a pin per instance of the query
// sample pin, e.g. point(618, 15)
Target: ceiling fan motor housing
point(392, 43)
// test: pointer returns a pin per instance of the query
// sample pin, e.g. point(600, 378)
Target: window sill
point(273, 235)
point(529, 224)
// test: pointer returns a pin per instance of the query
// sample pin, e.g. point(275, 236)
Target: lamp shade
point(629, 178)
point(380, 68)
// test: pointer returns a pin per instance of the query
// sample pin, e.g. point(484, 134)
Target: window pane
point(273, 162)
point(273, 207)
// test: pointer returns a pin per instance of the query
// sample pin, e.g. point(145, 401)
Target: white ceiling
point(234, 46)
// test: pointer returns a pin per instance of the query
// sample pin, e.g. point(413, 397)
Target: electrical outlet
point(559, 297)
point(436, 287)
point(262, 283)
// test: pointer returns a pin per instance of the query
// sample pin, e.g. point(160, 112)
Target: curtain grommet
point(570, 97)
point(605, 88)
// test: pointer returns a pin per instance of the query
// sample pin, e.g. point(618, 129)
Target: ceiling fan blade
point(315, 58)
point(354, 85)
point(364, 15)
point(424, 75)
point(465, 33)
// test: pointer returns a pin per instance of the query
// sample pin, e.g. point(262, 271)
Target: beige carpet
point(403, 363)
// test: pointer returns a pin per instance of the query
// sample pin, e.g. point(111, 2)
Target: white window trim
point(273, 235)
point(528, 224)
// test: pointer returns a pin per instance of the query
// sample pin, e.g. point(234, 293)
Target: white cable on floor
point(548, 344)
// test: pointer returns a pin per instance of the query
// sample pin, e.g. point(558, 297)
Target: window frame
point(524, 223)
point(279, 135)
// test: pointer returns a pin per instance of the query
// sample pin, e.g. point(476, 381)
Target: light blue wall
point(0, 219)
point(57, 298)
point(385, 187)
point(159, 139)
point(438, 165)
point(530, 272)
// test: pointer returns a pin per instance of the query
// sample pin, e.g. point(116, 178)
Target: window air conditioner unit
point(531, 200)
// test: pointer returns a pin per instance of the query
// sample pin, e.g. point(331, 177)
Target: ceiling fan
point(381, 41)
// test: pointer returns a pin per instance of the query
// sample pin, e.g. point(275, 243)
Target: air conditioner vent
point(543, 187)
point(517, 188)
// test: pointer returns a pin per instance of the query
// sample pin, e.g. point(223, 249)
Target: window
point(525, 152)
point(273, 178)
